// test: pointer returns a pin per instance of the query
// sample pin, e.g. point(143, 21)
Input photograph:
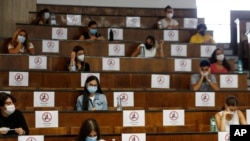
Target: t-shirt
point(22, 49)
point(147, 52)
point(233, 121)
point(205, 86)
point(198, 38)
point(165, 23)
point(214, 69)
point(86, 35)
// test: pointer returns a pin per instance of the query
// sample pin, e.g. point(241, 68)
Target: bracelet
point(209, 80)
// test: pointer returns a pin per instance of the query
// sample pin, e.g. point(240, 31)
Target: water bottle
point(119, 103)
point(240, 66)
point(53, 19)
point(111, 35)
point(212, 124)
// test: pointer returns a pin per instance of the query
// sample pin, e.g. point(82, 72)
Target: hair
point(14, 42)
point(86, 93)
point(76, 49)
point(152, 38)
point(204, 63)
point(231, 101)
point(167, 7)
point(213, 59)
point(87, 127)
point(201, 26)
point(4, 96)
point(92, 23)
point(40, 16)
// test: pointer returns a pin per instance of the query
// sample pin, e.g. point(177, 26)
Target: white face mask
point(169, 15)
point(220, 57)
point(10, 109)
point(81, 57)
point(46, 15)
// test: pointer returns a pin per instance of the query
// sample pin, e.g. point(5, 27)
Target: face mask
point(92, 89)
point(21, 39)
point(81, 57)
point(220, 57)
point(93, 31)
point(46, 15)
point(202, 32)
point(91, 138)
point(10, 109)
point(205, 73)
point(169, 15)
point(148, 46)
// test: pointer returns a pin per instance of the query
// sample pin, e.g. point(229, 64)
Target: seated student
point(12, 121)
point(149, 49)
point(92, 97)
point(20, 43)
point(168, 22)
point(92, 33)
point(202, 36)
point(205, 81)
point(229, 115)
point(218, 62)
point(89, 131)
point(42, 17)
point(77, 62)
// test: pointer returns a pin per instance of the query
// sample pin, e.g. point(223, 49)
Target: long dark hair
point(86, 93)
point(40, 16)
point(231, 101)
point(87, 127)
point(4, 96)
point(213, 59)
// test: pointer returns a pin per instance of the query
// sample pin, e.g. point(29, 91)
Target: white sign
point(45, 119)
point(228, 81)
point(178, 50)
point(223, 136)
point(133, 118)
point(190, 22)
point(134, 137)
point(117, 32)
point(183, 65)
point(247, 27)
point(205, 99)
point(116, 50)
point(248, 115)
point(8, 92)
point(31, 138)
point(44, 99)
point(160, 81)
point(133, 22)
point(126, 97)
point(207, 50)
point(111, 64)
point(18, 78)
point(38, 62)
point(74, 19)
point(59, 33)
point(84, 76)
point(173, 117)
point(51, 46)
point(171, 35)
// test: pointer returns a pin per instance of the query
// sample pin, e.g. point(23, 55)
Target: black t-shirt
point(15, 120)
point(86, 35)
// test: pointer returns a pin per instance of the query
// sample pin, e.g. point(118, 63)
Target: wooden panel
point(49, 131)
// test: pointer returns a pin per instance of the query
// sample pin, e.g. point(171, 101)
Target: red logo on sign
point(229, 79)
point(31, 139)
point(173, 115)
point(47, 117)
point(50, 44)
point(19, 77)
point(59, 32)
point(124, 97)
point(134, 138)
point(38, 60)
point(111, 62)
point(205, 97)
point(134, 116)
point(160, 79)
point(171, 34)
point(44, 97)
point(116, 48)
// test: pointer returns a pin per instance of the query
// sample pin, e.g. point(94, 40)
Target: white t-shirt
point(165, 23)
point(233, 121)
point(147, 52)
point(22, 49)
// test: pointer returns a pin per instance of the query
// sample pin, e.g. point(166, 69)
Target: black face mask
point(148, 46)
point(202, 32)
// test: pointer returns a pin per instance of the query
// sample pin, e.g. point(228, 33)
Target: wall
point(125, 3)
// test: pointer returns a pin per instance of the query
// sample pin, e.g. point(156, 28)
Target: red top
point(214, 69)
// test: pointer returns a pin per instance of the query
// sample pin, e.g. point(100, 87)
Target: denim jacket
point(99, 102)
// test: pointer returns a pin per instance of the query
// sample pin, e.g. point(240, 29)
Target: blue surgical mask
point(91, 138)
point(92, 89)
point(93, 31)
point(21, 38)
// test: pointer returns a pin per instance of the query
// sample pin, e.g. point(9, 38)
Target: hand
point(201, 73)
point(226, 112)
point(19, 131)
point(73, 56)
point(208, 73)
point(3, 131)
point(161, 43)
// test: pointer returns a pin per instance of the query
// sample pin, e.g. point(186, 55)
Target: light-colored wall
point(12, 12)
point(125, 3)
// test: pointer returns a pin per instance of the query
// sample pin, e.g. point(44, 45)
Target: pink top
point(214, 69)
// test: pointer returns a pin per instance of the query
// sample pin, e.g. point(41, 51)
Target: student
point(92, 98)
point(42, 17)
point(168, 22)
point(92, 33)
point(202, 36)
point(20, 43)
point(77, 62)
point(204, 81)
point(149, 49)
point(218, 62)
point(89, 131)
point(230, 115)
point(12, 121)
